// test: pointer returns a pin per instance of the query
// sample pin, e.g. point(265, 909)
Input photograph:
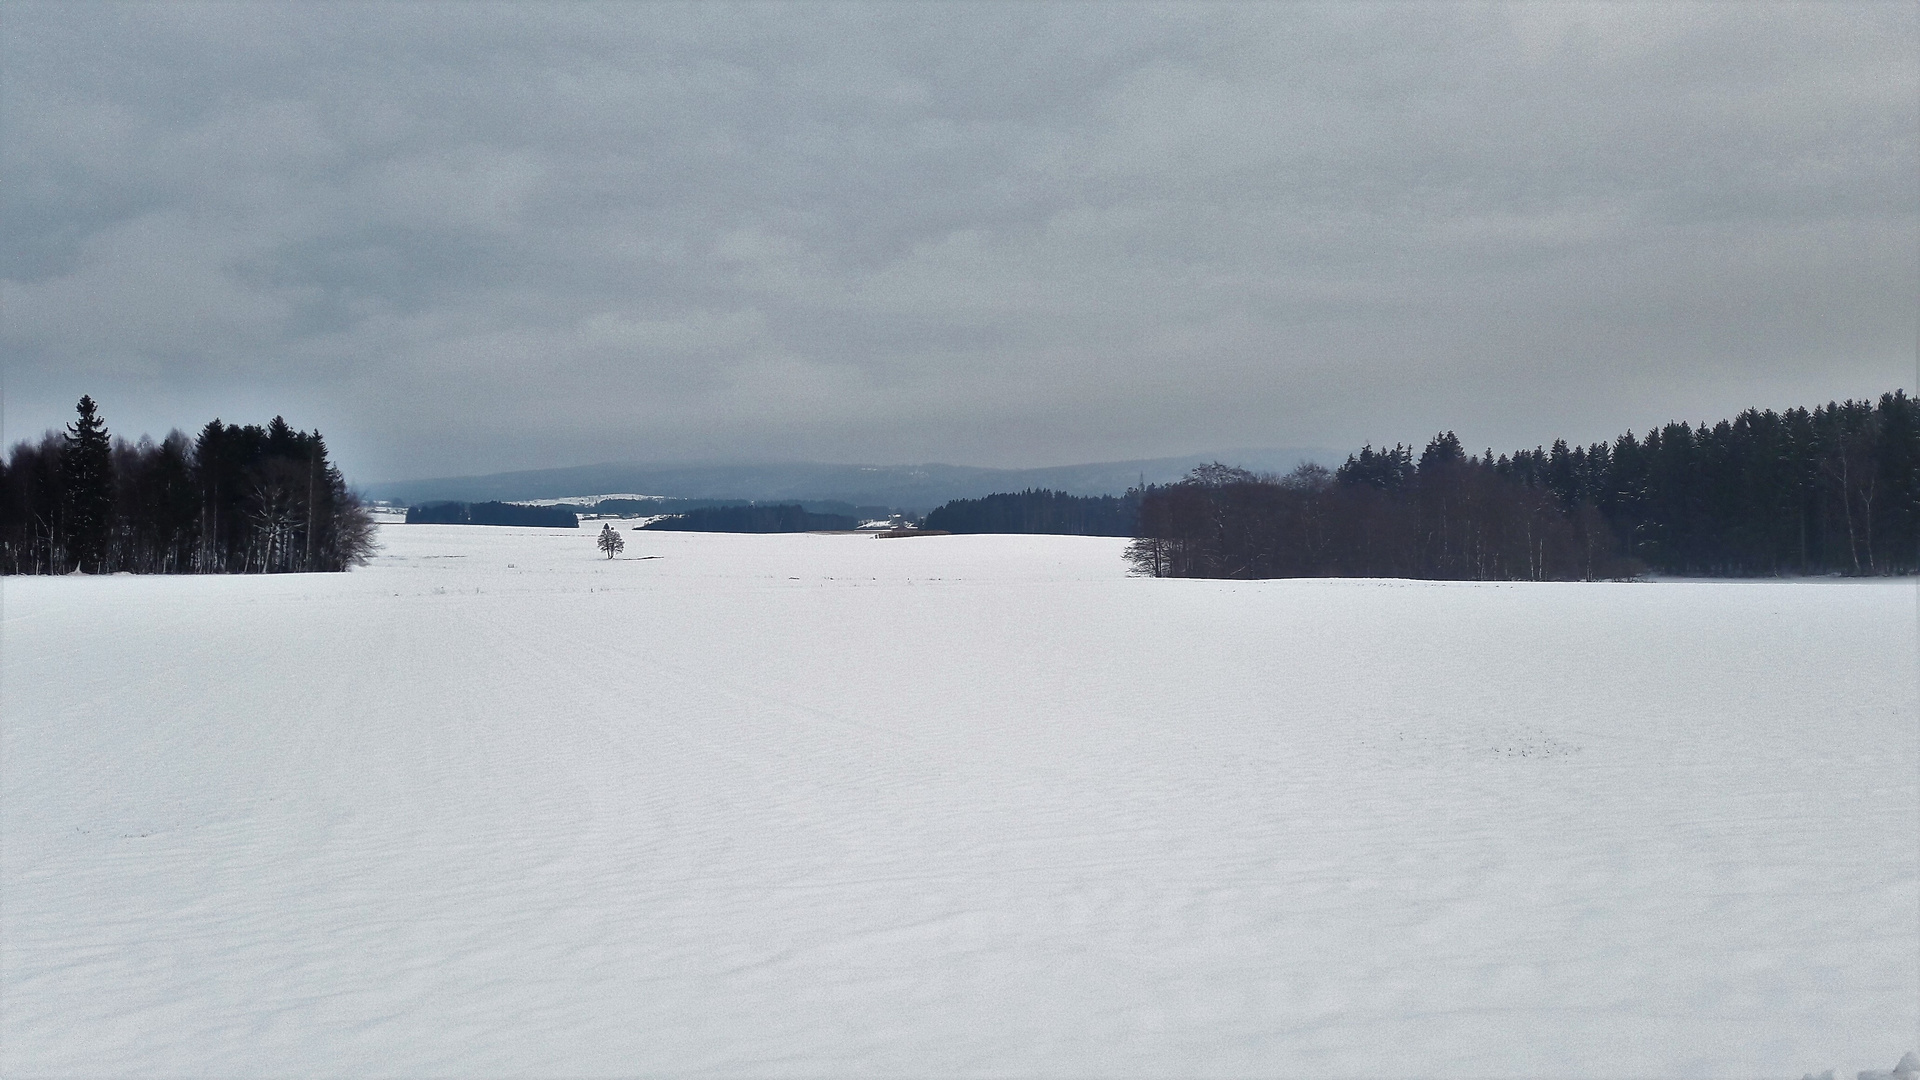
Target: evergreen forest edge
point(1831, 490)
point(235, 499)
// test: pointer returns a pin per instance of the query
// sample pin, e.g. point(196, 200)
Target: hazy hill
point(915, 488)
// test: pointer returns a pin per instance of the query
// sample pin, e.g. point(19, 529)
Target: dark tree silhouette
point(237, 499)
point(753, 519)
point(1040, 511)
point(1835, 489)
point(610, 541)
point(492, 513)
point(86, 472)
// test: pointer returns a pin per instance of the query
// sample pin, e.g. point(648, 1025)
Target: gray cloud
point(462, 238)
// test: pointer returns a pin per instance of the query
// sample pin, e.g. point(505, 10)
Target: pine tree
point(86, 469)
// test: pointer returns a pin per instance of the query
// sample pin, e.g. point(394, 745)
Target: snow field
point(825, 804)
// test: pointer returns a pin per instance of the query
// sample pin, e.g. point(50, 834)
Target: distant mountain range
point(910, 488)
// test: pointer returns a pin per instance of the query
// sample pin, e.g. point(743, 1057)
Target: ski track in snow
point(972, 806)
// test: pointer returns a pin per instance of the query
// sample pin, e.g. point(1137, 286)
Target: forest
point(1832, 490)
point(648, 507)
point(672, 506)
point(1040, 511)
point(1829, 490)
point(754, 519)
point(492, 513)
point(235, 499)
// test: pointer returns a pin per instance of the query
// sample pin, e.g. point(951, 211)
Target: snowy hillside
point(812, 805)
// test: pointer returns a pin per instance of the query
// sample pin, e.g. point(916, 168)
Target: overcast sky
point(462, 238)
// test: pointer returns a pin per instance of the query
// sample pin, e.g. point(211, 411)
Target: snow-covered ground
point(971, 805)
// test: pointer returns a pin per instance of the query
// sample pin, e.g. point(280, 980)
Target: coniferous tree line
point(648, 507)
point(235, 499)
point(493, 513)
point(1835, 489)
point(670, 506)
point(756, 518)
point(1040, 511)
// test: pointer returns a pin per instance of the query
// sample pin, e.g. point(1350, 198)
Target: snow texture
point(966, 806)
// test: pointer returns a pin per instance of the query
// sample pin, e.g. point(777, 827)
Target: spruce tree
point(86, 468)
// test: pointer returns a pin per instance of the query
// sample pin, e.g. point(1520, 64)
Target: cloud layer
point(463, 237)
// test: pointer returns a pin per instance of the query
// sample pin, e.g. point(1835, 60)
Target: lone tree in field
point(610, 541)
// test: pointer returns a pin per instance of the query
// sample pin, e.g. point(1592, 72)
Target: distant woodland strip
point(1831, 490)
point(236, 499)
point(754, 519)
point(648, 507)
point(492, 513)
point(1834, 490)
point(1040, 511)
